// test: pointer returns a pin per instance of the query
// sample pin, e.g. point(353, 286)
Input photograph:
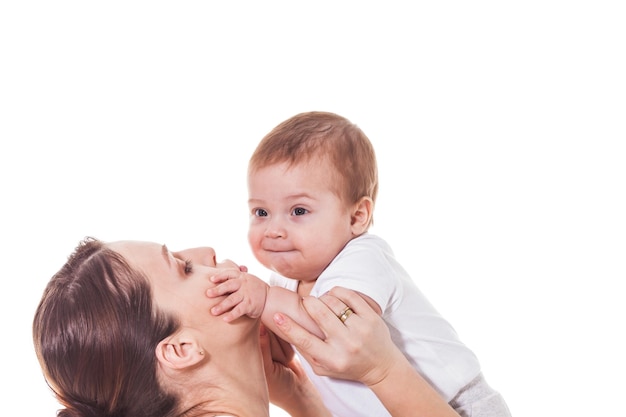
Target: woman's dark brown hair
point(95, 333)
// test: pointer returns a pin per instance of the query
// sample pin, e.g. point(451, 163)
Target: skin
point(209, 360)
point(298, 225)
point(225, 371)
point(361, 349)
point(289, 386)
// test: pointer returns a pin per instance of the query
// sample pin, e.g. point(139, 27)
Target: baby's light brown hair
point(324, 136)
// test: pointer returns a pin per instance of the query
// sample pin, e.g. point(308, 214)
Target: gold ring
point(345, 314)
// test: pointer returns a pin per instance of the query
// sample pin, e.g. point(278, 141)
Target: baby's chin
point(294, 273)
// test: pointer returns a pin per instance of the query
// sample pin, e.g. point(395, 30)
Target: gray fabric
point(478, 399)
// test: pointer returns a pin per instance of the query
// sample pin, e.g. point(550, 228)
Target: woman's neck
point(234, 380)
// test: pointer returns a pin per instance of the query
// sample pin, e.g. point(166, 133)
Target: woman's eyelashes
point(184, 265)
point(188, 267)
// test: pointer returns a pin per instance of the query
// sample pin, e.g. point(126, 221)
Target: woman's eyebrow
point(166, 253)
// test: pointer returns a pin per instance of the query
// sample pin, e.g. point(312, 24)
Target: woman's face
point(179, 280)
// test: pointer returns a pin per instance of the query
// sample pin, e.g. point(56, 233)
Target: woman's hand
point(358, 347)
point(289, 386)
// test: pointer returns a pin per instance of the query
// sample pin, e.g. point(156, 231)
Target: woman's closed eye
point(188, 267)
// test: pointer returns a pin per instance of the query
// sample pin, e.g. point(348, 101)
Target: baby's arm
point(281, 300)
point(251, 296)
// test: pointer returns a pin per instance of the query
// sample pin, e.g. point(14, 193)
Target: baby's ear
point(178, 353)
point(362, 215)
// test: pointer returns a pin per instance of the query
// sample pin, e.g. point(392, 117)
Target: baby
point(312, 184)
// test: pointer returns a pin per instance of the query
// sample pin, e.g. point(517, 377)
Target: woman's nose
point(206, 256)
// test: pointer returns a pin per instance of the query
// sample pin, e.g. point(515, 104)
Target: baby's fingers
point(225, 275)
point(235, 313)
point(226, 304)
point(224, 288)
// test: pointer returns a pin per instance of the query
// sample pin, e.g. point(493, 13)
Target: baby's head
point(327, 137)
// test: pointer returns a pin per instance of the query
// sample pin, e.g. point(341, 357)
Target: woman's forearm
point(405, 393)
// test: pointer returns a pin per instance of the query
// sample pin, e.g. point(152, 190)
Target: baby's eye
point(299, 211)
point(188, 267)
point(260, 213)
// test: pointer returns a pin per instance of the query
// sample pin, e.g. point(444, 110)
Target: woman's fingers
point(326, 312)
point(351, 299)
point(295, 334)
point(333, 303)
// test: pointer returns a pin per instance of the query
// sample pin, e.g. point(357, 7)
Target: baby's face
point(298, 223)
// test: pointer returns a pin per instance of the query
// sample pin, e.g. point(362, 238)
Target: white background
point(499, 129)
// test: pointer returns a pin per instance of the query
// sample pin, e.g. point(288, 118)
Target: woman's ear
point(178, 353)
point(362, 213)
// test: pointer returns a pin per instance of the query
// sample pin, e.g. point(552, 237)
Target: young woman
point(124, 329)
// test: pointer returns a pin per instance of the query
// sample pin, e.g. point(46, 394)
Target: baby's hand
point(245, 293)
